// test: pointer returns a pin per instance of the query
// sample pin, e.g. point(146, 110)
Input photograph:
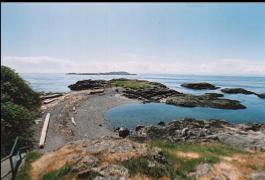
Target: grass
point(215, 149)
point(57, 174)
point(183, 165)
point(132, 84)
point(141, 165)
point(23, 173)
point(177, 165)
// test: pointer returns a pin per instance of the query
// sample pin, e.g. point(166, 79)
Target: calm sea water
point(133, 114)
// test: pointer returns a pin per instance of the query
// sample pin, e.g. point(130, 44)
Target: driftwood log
point(44, 130)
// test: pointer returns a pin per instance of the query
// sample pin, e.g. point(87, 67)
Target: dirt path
point(88, 112)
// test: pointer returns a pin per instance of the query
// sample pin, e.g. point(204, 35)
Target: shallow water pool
point(131, 115)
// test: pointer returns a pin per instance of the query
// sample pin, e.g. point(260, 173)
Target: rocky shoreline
point(160, 93)
point(243, 136)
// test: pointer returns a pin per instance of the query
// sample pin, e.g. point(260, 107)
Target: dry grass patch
point(52, 161)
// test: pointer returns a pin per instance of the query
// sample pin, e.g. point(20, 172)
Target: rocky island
point(199, 86)
point(105, 73)
point(242, 91)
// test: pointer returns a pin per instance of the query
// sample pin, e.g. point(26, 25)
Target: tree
point(19, 108)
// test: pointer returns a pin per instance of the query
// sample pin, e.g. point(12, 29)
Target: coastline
point(88, 110)
point(88, 113)
point(95, 150)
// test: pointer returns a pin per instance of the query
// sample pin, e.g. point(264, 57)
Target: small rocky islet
point(242, 91)
point(199, 86)
point(208, 86)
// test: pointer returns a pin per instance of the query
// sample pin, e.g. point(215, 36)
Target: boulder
point(139, 127)
point(123, 132)
point(199, 86)
point(161, 123)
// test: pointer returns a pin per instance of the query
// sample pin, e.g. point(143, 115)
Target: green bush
point(19, 106)
point(15, 89)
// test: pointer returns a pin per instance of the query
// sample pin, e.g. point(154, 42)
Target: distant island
point(106, 73)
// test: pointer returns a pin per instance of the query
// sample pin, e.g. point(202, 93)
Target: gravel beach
point(88, 113)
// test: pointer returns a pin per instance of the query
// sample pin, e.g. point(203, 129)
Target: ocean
point(154, 112)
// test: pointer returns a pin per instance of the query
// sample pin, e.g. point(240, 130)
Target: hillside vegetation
point(19, 107)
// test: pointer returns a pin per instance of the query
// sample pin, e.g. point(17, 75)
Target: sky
point(164, 38)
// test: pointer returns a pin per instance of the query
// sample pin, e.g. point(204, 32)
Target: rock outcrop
point(152, 94)
point(236, 91)
point(213, 95)
point(262, 95)
point(158, 92)
point(199, 86)
point(161, 93)
point(95, 159)
point(242, 91)
point(244, 136)
point(88, 84)
point(188, 100)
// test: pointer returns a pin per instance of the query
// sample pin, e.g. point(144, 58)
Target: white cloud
point(44, 64)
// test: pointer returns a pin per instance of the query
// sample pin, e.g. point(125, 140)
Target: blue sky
point(175, 38)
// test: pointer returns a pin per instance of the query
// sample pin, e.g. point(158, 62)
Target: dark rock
point(236, 91)
point(160, 93)
point(199, 86)
point(139, 127)
point(161, 123)
point(213, 95)
point(252, 126)
point(86, 173)
point(188, 100)
point(123, 132)
point(262, 95)
point(151, 94)
point(88, 84)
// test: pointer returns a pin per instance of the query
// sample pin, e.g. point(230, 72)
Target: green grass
point(216, 149)
point(140, 165)
point(207, 154)
point(57, 174)
point(132, 84)
point(23, 173)
point(178, 166)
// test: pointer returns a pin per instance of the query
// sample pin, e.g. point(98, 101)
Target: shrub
point(15, 89)
point(19, 105)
